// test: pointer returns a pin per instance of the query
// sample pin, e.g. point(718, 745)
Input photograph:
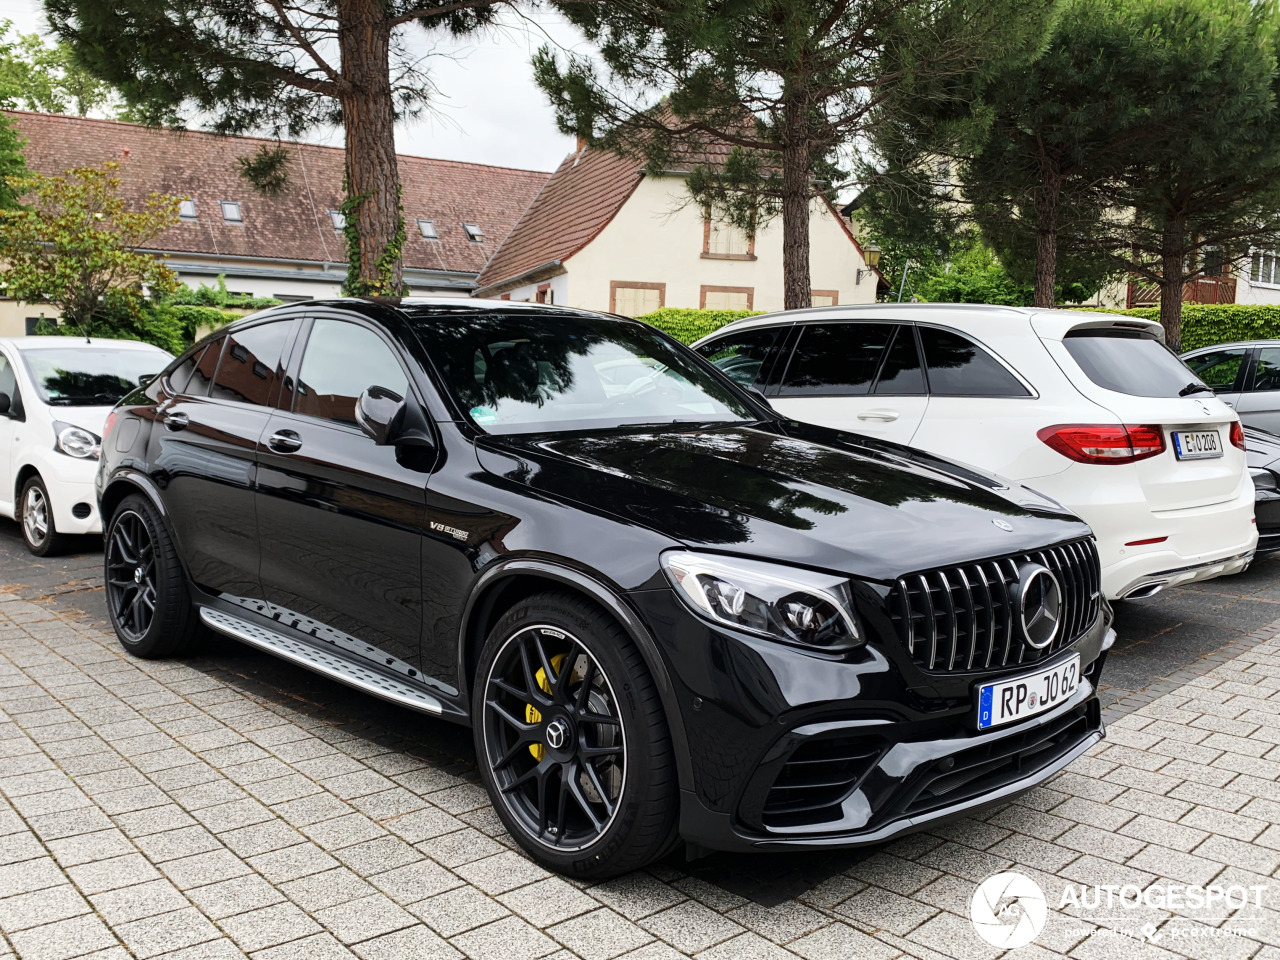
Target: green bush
point(167, 326)
point(1206, 324)
point(217, 296)
point(688, 325)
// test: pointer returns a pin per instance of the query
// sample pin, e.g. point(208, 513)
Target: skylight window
point(428, 230)
point(231, 211)
point(339, 219)
point(474, 233)
point(186, 210)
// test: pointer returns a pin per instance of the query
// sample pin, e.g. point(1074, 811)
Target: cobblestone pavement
point(230, 805)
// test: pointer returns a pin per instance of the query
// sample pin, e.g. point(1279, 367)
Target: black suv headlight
point(76, 441)
point(768, 599)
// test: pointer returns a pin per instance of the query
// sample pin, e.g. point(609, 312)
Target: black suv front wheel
point(147, 597)
point(572, 740)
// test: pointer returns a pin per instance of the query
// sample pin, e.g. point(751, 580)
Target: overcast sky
point(490, 111)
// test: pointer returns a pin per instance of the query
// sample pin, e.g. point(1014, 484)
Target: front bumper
point(883, 749)
point(72, 493)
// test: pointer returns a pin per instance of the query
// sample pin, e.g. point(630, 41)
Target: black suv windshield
point(1130, 363)
point(533, 373)
point(87, 375)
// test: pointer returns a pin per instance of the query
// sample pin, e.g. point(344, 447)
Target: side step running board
point(321, 661)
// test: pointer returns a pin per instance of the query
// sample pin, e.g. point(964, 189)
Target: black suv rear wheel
point(572, 740)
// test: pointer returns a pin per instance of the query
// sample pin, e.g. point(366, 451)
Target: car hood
point(92, 419)
point(788, 491)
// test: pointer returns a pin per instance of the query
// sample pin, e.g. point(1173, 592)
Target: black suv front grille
point(964, 618)
point(817, 778)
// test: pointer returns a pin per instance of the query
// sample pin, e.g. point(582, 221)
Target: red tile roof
point(294, 225)
point(581, 197)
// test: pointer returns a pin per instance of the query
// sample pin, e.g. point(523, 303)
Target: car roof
point(1234, 343)
point(1053, 323)
point(29, 343)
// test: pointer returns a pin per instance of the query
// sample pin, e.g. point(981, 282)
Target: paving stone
point(269, 927)
point(876, 908)
point(781, 924)
point(839, 941)
point(636, 895)
point(64, 939)
point(41, 907)
point(454, 911)
point(104, 875)
point(415, 881)
point(502, 872)
point(507, 939)
point(690, 927)
point(412, 943)
point(163, 934)
point(363, 919)
point(138, 902)
point(548, 902)
point(321, 890)
point(237, 895)
point(301, 860)
point(321, 946)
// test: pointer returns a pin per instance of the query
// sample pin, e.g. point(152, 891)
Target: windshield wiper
point(1191, 388)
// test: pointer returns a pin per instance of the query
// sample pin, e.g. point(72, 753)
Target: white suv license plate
point(1008, 701)
point(1198, 445)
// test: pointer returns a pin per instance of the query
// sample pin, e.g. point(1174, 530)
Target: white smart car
point(1089, 408)
point(55, 394)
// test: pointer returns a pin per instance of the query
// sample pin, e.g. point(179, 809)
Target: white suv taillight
point(1104, 442)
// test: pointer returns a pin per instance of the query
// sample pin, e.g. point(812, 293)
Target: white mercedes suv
point(1091, 409)
point(55, 394)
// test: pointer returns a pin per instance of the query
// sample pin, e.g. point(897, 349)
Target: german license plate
point(1197, 445)
point(1007, 701)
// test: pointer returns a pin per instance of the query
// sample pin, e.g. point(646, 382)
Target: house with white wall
point(289, 245)
point(604, 233)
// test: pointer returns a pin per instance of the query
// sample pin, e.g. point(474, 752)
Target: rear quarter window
point(1128, 363)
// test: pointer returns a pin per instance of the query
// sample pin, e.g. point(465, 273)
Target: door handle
point(886, 416)
point(176, 421)
point(285, 441)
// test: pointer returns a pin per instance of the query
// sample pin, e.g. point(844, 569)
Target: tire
point(147, 597)
point(605, 812)
point(35, 516)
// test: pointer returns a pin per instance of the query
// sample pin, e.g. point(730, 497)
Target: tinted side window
point(742, 356)
point(202, 376)
point(836, 359)
point(249, 370)
point(1267, 374)
point(1218, 368)
point(341, 361)
point(958, 367)
point(181, 375)
point(901, 375)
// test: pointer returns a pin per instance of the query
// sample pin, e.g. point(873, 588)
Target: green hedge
point(1205, 324)
point(688, 325)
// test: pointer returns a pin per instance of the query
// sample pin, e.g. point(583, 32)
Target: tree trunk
point(797, 285)
point(373, 180)
point(1173, 259)
point(1047, 235)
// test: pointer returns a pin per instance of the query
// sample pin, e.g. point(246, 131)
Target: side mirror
point(146, 379)
point(760, 397)
point(379, 413)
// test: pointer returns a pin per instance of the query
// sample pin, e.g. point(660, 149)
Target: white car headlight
point(768, 599)
point(77, 442)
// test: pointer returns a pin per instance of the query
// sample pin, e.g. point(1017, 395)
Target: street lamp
point(872, 256)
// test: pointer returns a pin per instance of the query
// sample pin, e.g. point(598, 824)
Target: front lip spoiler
point(907, 825)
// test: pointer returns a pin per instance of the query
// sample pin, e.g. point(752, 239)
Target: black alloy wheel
point(572, 739)
point(147, 596)
point(554, 739)
point(131, 576)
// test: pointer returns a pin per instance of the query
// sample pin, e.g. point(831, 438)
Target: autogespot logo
point(1008, 910)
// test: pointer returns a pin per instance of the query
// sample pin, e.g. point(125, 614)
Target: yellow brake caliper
point(531, 715)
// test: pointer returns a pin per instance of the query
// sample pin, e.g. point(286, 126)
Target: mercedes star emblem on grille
point(1040, 604)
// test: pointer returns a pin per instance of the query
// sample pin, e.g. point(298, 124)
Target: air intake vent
point(817, 778)
point(965, 618)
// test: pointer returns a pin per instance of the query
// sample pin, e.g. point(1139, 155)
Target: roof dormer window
point(474, 233)
point(428, 230)
point(186, 210)
point(339, 219)
point(231, 211)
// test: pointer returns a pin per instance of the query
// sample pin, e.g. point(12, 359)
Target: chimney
point(582, 144)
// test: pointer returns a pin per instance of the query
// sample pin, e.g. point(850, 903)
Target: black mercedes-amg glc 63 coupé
point(667, 612)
